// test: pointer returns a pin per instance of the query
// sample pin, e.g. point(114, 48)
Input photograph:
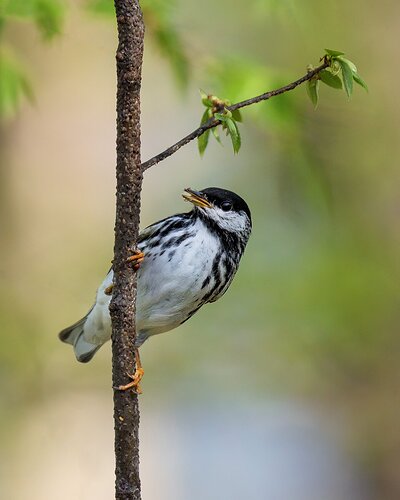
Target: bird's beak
point(197, 198)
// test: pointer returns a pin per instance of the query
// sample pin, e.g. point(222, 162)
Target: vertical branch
point(129, 183)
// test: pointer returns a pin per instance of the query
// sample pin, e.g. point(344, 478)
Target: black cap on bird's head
point(216, 197)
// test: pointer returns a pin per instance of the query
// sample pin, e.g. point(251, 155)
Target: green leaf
point(329, 79)
point(228, 113)
point(349, 63)
point(334, 53)
point(14, 85)
point(312, 91)
point(221, 117)
point(206, 116)
point(237, 115)
point(49, 16)
point(202, 141)
point(216, 135)
point(234, 133)
point(357, 78)
point(347, 74)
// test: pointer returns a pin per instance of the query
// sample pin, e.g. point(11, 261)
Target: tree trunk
point(129, 183)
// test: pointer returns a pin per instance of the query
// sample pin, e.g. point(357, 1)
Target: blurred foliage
point(282, 9)
point(159, 20)
point(242, 77)
point(14, 84)
point(47, 16)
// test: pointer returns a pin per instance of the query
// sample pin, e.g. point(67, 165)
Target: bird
point(182, 262)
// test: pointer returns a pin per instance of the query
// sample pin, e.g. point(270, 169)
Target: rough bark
point(122, 308)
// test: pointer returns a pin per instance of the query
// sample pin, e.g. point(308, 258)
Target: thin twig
point(212, 122)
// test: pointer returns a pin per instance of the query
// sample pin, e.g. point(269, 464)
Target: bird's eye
point(226, 206)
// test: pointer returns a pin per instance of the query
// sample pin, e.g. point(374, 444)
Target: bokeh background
point(286, 389)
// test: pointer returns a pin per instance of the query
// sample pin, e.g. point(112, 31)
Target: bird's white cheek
point(229, 221)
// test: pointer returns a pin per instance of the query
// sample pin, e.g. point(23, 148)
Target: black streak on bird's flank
point(215, 270)
point(206, 282)
point(190, 314)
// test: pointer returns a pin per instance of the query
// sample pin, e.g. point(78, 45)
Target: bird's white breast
point(170, 280)
point(170, 285)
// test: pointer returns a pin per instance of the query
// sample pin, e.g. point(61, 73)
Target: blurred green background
point(299, 361)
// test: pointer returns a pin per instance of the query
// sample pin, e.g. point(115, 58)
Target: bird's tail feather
point(84, 351)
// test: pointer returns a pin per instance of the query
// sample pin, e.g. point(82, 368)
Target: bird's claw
point(137, 258)
point(136, 378)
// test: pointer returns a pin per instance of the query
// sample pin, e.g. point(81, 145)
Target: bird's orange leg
point(136, 377)
point(137, 258)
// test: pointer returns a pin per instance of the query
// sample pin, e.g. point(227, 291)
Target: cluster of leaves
point(340, 74)
point(47, 16)
point(217, 110)
point(159, 19)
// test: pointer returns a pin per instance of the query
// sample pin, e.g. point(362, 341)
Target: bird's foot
point(136, 378)
point(137, 258)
